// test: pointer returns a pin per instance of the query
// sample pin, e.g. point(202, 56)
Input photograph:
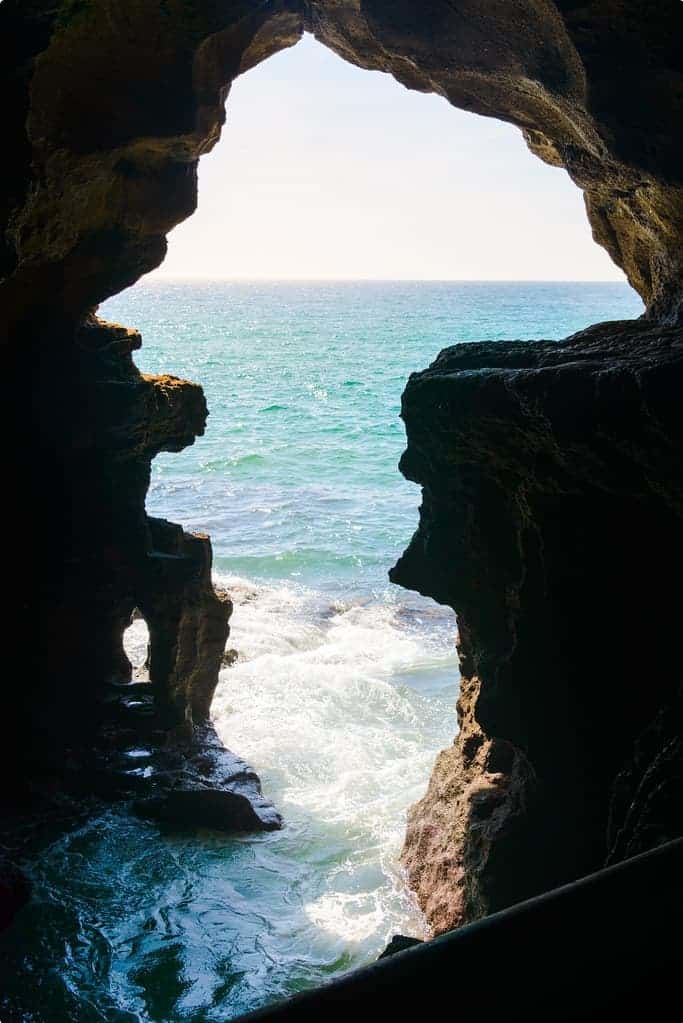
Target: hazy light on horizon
point(325, 171)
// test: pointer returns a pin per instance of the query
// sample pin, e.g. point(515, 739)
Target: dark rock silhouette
point(15, 891)
point(551, 522)
point(551, 473)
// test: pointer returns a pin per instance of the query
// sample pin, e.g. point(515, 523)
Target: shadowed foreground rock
point(552, 522)
point(399, 943)
point(599, 950)
point(15, 890)
point(202, 785)
point(217, 809)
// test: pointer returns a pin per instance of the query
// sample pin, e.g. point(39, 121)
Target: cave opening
point(172, 940)
point(136, 642)
point(296, 481)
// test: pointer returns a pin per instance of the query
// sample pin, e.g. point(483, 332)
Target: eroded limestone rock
point(551, 522)
point(108, 558)
point(187, 618)
point(114, 102)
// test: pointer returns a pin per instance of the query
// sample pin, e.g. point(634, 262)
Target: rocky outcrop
point(551, 522)
point(110, 107)
point(187, 618)
point(82, 715)
point(205, 786)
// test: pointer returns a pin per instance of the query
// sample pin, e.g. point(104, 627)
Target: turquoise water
point(296, 476)
point(345, 686)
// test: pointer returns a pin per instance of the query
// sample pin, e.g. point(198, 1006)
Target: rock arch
point(111, 103)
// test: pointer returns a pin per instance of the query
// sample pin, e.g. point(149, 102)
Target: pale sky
point(327, 171)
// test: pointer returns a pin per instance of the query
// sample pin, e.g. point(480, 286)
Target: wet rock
point(188, 619)
point(184, 779)
point(220, 810)
point(399, 943)
point(229, 658)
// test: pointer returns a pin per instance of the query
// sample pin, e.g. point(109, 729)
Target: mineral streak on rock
point(552, 522)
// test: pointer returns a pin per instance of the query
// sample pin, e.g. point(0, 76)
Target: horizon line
point(156, 276)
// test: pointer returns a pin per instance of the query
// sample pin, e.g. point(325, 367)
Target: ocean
point(344, 689)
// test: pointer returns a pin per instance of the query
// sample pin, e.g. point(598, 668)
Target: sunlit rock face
point(552, 522)
point(109, 105)
point(113, 103)
point(596, 89)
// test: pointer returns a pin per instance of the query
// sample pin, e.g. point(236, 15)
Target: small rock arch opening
point(136, 645)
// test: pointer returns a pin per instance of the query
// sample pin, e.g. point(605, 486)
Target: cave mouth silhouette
point(103, 141)
point(214, 423)
point(210, 203)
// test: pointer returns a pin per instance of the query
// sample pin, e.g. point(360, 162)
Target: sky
point(325, 171)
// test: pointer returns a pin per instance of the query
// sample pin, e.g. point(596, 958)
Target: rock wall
point(552, 522)
point(110, 107)
point(96, 554)
point(551, 544)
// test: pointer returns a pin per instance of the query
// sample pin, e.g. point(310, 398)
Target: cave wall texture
point(551, 518)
